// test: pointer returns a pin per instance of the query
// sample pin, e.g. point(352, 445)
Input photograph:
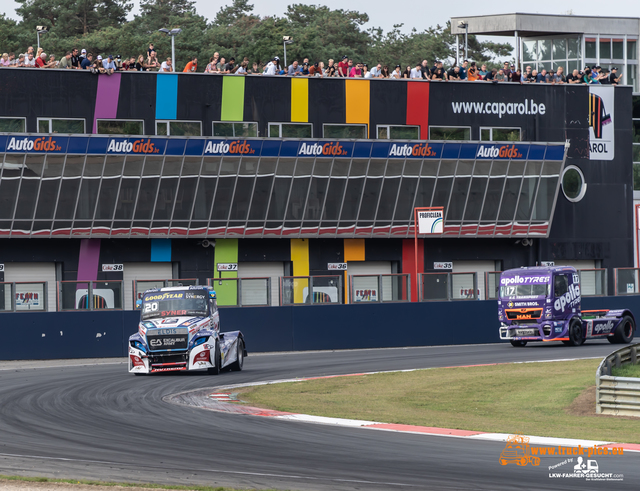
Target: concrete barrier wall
point(56, 335)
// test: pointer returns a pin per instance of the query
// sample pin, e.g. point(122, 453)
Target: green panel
point(232, 98)
point(226, 251)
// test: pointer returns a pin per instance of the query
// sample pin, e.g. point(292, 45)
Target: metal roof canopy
point(530, 25)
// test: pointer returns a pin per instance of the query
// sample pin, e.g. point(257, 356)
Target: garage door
point(143, 271)
point(31, 297)
point(253, 293)
point(364, 288)
point(463, 285)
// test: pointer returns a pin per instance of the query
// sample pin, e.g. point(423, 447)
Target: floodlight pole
point(173, 52)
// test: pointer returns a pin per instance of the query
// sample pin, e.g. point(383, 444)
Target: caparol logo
point(38, 145)
point(503, 152)
point(136, 146)
point(238, 147)
point(406, 150)
point(329, 149)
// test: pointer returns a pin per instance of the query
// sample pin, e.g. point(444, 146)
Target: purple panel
point(89, 259)
point(107, 97)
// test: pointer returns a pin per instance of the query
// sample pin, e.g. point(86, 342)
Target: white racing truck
point(179, 330)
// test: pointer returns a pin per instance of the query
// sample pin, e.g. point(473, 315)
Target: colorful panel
point(166, 96)
point(160, 250)
point(89, 259)
point(299, 100)
point(232, 98)
point(353, 250)
point(409, 263)
point(357, 101)
point(107, 98)
point(226, 252)
point(300, 259)
point(418, 107)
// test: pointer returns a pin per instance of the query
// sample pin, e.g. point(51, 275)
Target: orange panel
point(357, 102)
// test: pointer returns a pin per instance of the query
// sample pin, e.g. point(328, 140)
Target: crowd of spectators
point(346, 67)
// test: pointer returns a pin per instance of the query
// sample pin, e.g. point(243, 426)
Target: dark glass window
point(335, 195)
point(388, 199)
point(315, 201)
point(527, 195)
point(476, 198)
point(509, 199)
point(47, 199)
point(67, 199)
point(458, 198)
point(442, 192)
point(27, 199)
point(222, 204)
point(166, 199)
point(127, 199)
point(352, 199)
point(279, 197)
point(492, 201)
point(406, 195)
point(87, 199)
point(544, 201)
point(370, 198)
point(8, 195)
point(184, 198)
point(146, 198)
point(107, 199)
point(241, 198)
point(260, 201)
point(298, 199)
point(204, 198)
point(424, 193)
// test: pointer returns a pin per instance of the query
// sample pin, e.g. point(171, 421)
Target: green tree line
point(319, 33)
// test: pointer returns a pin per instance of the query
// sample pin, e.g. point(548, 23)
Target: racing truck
point(179, 330)
point(543, 304)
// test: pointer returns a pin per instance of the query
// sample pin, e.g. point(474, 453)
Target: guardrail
point(619, 396)
point(242, 292)
point(447, 286)
point(300, 290)
point(90, 295)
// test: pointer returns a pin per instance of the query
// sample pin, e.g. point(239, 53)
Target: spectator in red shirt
point(192, 66)
point(41, 60)
point(343, 67)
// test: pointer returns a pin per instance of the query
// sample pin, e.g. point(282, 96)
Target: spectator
point(463, 70)
point(118, 62)
point(12, 59)
point(438, 74)
point(614, 78)
point(454, 73)
point(130, 64)
point(396, 74)
point(150, 50)
point(558, 77)
point(376, 71)
point(151, 64)
point(603, 78)
point(52, 62)
point(332, 70)
point(329, 65)
point(65, 62)
point(87, 62)
point(38, 53)
point(305, 69)
point(416, 73)
point(343, 67)
point(492, 76)
point(586, 76)
point(385, 72)
point(527, 76)
point(231, 65)
point(29, 50)
point(483, 72)
point(541, 77)
point(212, 67)
point(5, 60)
point(506, 70)
point(30, 62)
point(574, 78)
point(98, 67)
point(273, 66)
point(254, 68)
point(424, 68)
point(75, 59)
point(83, 56)
point(242, 69)
point(20, 62)
point(365, 70)
point(139, 67)
point(355, 71)
point(192, 66)
point(516, 76)
point(294, 69)
point(472, 73)
point(109, 65)
point(407, 72)
point(166, 66)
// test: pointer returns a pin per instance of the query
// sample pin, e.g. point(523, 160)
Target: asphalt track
point(95, 421)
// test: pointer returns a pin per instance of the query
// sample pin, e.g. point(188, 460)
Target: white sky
point(420, 15)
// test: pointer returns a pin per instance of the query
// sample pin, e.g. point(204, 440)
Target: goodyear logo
point(238, 147)
point(37, 145)
point(163, 296)
point(136, 146)
point(329, 149)
point(406, 150)
point(503, 152)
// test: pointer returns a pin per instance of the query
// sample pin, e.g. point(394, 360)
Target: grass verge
point(626, 371)
point(113, 484)
point(533, 398)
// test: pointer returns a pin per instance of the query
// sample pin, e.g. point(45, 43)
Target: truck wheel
point(518, 344)
point(624, 331)
point(575, 333)
point(236, 366)
point(215, 369)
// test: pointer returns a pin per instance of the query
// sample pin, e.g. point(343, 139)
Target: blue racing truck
point(543, 304)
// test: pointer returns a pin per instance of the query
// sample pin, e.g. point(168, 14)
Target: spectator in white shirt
point(417, 71)
point(396, 73)
point(376, 71)
point(272, 66)
point(166, 66)
point(30, 61)
point(109, 65)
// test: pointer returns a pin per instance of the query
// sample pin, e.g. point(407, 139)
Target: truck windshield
point(524, 291)
point(174, 303)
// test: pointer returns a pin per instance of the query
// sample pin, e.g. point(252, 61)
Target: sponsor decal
point(238, 147)
point(369, 295)
point(510, 305)
point(529, 106)
point(431, 221)
point(165, 342)
point(571, 298)
point(558, 329)
point(498, 152)
point(407, 150)
point(163, 296)
point(37, 145)
point(332, 149)
point(587, 469)
point(202, 356)
point(447, 265)
point(112, 267)
point(603, 328)
point(601, 122)
point(136, 361)
point(227, 266)
point(524, 280)
point(525, 304)
point(337, 266)
point(171, 369)
point(135, 146)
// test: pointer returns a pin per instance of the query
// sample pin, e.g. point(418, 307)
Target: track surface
point(99, 422)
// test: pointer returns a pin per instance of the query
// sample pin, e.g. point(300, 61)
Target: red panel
point(408, 263)
point(418, 106)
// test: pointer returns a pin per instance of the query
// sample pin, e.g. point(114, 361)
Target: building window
point(235, 129)
point(179, 128)
point(119, 127)
point(13, 125)
point(573, 184)
point(462, 133)
point(52, 125)
point(552, 53)
point(347, 131)
point(290, 130)
point(390, 132)
point(500, 134)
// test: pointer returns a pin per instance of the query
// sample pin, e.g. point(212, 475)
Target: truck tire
point(215, 369)
point(236, 366)
point(624, 331)
point(576, 337)
point(518, 344)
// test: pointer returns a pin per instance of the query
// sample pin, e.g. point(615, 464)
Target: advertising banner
point(601, 122)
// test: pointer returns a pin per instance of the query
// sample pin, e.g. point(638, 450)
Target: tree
point(157, 13)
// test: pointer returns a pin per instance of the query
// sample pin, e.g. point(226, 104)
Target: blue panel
point(329, 149)
point(3, 143)
point(98, 145)
point(166, 96)
point(232, 147)
point(451, 151)
point(137, 146)
point(289, 149)
point(362, 150)
point(380, 150)
point(554, 152)
point(160, 250)
point(175, 147)
point(271, 148)
point(503, 152)
point(194, 147)
point(37, 144)
point(468, 151)
point(78, 144)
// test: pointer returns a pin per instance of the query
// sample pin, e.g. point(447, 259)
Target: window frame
point(491, 128)
point(389, 126)
point(84, 124)
point(98, 120)
point(279, 125)
point(24, 120)
point(344, 125)
point(452, 127)
point(213, 132)
point(583, 188)
point(169, 121)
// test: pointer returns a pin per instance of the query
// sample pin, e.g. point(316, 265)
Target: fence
point(626, 281)
point(380, 288)
point(447, 286)
point(619, 396)
point(90, 295)
point(242, 292)
point(300, 290)
point(23, 296)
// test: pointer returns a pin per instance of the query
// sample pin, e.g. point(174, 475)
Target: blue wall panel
point(166, 98)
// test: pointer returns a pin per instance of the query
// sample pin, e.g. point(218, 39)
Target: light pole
point(40, 30)
point(465, 24)
point(286, 40)
point(173, 33)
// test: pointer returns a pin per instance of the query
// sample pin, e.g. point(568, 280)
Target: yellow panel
point(353, 250)
point(299, 100)
point(300, 260)
point(357, 102)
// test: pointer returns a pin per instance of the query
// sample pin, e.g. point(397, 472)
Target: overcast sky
point(420, 15)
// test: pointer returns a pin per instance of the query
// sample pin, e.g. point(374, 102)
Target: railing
point(23, 296)
point(619, 396)
point(301, 290)
point(627, 281)
point(242, 292)
point(447, 286)
point(492, 285)
point(593, 282)
point(380, 288)
point(141, 286)
point(90, 295)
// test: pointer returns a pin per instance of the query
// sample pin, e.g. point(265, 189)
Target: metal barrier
point(300, 290)
point(593, 282)
point(619, 396)
point(90, 295)
point(447, 286)
point(626, 281)
point(141, 286)
point(23, 296)
point(380, 288)
point(242, 292)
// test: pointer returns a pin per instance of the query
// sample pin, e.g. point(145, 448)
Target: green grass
point(531, 398)
point(122, 484)
point(626, 371)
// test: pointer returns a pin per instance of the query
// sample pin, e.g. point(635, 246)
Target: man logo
point(598, 116)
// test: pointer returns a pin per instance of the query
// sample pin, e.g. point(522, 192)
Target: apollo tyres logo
point(503, 152)
point(35, 145)
point(329, 149)
point(238, 147)
point(135, 146)
point(406, 150)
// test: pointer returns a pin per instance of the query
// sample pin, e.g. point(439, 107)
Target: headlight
point(138, 345)
point(199, 341)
